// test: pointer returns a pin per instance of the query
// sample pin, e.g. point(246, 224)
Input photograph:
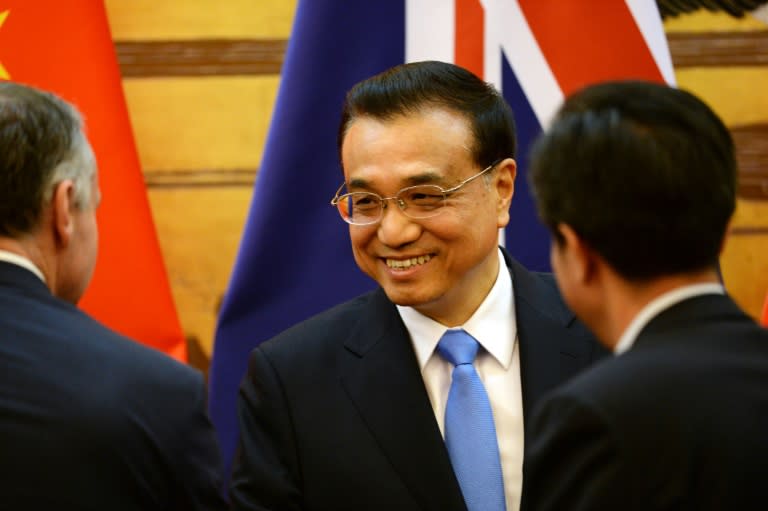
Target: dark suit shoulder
point(691, 366)
point(326, 329)
point(96, 415)
point(113, 355)
point(99, 375)
point(690, 392)
point(41, 323)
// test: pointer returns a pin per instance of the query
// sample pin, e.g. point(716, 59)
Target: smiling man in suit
point(637, 183)
point(89, 420)
point(361, 407)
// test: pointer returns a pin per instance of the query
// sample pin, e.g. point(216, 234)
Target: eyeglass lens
point(421, 201)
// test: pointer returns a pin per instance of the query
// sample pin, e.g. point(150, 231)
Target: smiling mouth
point(403, 264)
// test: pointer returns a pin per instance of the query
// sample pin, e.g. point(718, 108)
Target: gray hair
point(42, 143)
point(80, 168)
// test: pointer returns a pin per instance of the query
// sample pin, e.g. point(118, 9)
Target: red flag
point(66, 47)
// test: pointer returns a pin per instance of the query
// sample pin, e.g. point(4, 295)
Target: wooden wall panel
point(744, 261)
point(200, 129)
point(744, 264)
point(208, 57)
point(199, 231)
point(750, 213)
point(200, 123)
point(199, 19)
point(736, 94)
point(706, 21)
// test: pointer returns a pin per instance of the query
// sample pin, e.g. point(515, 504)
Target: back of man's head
point(410, 88)
point(644, 173)
point(41, 144)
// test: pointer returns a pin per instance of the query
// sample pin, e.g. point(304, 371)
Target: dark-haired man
point(349, 409)
point(637, 183)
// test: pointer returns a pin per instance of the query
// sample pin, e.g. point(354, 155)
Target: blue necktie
point(470, 435)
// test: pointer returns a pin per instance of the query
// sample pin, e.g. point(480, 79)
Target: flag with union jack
point(295, 261)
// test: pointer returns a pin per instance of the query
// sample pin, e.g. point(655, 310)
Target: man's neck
point(626, 299)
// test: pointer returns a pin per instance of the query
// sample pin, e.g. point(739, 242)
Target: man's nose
point(395, 227)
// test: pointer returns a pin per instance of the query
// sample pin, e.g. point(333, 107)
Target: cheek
point(560, 270)
point(479, 213)
point(93, 236)
point(555, 260)
point(479, 223)
point(357, 236)
point(360, 238)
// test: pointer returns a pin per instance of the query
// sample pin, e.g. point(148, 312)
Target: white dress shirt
point(10, 257)
point(657, 306)
point(498, 363)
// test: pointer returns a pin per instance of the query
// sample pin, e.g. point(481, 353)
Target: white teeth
point(407, 263)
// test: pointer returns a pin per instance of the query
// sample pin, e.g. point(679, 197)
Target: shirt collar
point(659, 304)
point(10, 257)
point(493, 324)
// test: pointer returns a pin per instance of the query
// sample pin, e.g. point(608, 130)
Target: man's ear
point(62, 212)
point(581, 257)
point(504, 182)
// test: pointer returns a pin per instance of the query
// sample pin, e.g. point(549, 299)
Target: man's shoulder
point(69, 339)
point(331, 327)
point(127, 358)
point(100, 374)
point(635, 379)
point(538, 288)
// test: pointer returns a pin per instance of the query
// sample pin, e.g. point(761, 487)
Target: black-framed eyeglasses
point(418, 202)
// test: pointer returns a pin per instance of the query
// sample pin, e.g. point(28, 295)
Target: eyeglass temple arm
point(335, 199)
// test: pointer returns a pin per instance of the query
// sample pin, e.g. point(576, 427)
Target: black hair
point(410, 88)
point(644, 173)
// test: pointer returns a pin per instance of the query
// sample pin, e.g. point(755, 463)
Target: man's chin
point(420, 301)
point(403, 299)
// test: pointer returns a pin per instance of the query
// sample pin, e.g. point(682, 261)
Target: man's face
point(443, 266)
point(580, 290)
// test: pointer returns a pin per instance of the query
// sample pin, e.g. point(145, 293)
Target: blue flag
point(295, 258)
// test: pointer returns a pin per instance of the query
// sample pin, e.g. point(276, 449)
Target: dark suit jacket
point(90, 420)
point(334, 414)
point(680, 421)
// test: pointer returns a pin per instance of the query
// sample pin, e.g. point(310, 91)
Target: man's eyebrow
point(358, 183)
point(428, 177)
point(425, 178)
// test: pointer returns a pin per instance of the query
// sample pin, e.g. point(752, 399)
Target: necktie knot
point(458, 347)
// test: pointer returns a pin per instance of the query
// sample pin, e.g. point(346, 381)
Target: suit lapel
point(383, 380)
point(382, 377)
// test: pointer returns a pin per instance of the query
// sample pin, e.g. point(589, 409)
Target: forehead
point(434, 142)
